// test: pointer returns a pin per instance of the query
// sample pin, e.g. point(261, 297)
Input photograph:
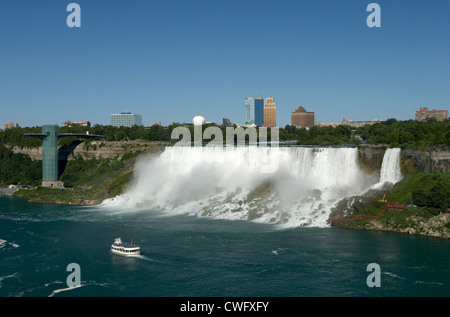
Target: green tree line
point(391, 132)
point(323, 136)
point(411, 133)
point(17, 168)
point(438, 196)
point(430, 190)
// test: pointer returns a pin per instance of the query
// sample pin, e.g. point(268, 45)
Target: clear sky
point(171, 60)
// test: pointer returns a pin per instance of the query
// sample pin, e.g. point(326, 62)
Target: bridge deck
point(66, 135)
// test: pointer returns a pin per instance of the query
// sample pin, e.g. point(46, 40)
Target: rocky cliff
point(428, 160)
point(95, 149)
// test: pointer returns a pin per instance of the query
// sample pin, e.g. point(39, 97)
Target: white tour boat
point(125, 249)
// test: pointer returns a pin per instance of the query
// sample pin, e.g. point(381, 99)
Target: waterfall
point(390, 168)
point(291, 186)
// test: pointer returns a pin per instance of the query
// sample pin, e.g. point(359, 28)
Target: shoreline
point(434, 227)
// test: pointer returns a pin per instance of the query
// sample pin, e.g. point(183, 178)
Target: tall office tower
point(259, 111)
point(125, 119)
point(249, 110)
point(301, 118)
point(424, 114)
point(270, 113)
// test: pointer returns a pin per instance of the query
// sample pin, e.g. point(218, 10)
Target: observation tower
point(49, 137)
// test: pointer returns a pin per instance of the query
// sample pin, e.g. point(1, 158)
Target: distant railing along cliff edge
point(389, 205)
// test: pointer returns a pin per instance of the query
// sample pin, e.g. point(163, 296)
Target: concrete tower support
point(50, 138)
point(50, 154)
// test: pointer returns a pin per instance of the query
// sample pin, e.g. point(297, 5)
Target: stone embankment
point(433, 227)
point(8, 191)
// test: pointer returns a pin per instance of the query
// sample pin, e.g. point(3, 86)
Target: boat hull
point(125, 251)
point(129, 254)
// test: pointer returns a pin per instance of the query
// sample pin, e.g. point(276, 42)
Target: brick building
point(301, 118)
point(424, 114)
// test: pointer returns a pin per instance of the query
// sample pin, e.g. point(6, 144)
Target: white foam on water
point(4, 243)
point(56, 291)
point(288, 186)
point(8, 276)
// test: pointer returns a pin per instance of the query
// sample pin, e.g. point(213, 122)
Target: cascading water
point(390, 168)
point(293, 186)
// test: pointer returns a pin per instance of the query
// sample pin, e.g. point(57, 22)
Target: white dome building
point(198, 120)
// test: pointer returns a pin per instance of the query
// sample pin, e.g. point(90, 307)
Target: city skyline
point(174, 60)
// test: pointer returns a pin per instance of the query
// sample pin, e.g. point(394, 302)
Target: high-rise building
point(270, 113)
point(125, 119)
point(301, 118)
point(424, 114)
point(249, 110)
point(259, 111)
point(254, 111)
point(9, 125)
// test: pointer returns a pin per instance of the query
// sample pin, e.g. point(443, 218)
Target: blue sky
point(171, 60)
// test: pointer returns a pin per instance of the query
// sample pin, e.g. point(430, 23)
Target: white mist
point(230, 183)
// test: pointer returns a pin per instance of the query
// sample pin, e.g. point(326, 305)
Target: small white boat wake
point(56, 291)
